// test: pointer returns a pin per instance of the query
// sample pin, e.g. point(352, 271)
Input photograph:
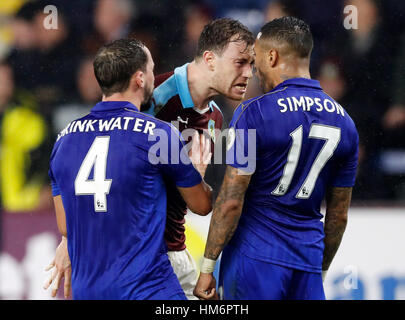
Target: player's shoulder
point(70, 127)
point(349, 125)
point(250, 106)
point(264, 98)
point(159, 124)
point(164, 92)
point(161, 78)
point(342, 115)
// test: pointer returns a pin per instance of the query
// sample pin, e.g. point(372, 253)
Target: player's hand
point(205, 287)
point(61, 268)
point(200, 153)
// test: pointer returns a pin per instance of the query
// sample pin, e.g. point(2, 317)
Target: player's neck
point(285, 76)
point(198, 84)
point(291, 72)
point(123, 96)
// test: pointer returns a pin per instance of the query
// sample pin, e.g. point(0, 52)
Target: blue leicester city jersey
point(297, 141)
point(108, 168)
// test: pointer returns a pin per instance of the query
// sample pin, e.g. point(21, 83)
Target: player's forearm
point(334, 229)
point(338, 202)
point(223, 224)
point(60, 215)
point(227, 211)
point(207, 201)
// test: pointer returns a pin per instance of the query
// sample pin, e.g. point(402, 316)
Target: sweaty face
point(233, 69)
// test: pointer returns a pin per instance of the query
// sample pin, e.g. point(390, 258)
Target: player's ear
point(209, 59)
point(138, 79)
point(272, 57)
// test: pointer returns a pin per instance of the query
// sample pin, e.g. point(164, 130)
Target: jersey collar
point(302, 82)
point(113, 105)
point(180, 74)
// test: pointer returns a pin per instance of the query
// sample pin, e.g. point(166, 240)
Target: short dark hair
point(292, 31)
point(217, 34)
point(116, 62)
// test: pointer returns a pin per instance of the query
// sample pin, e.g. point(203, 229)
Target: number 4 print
point(99, 187)
point(331, 135)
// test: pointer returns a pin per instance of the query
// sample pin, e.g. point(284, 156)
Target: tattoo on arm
point(337, 206)
point(227, 211)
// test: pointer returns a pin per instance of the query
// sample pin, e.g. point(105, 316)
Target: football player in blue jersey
point(267, 219)
point(108, 187)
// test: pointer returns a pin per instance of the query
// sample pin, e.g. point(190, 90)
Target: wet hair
point(217, 34)
point(116, 62)
point(291, 31)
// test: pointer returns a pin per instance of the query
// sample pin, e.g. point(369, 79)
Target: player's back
point(306, 142)
point(115, 204)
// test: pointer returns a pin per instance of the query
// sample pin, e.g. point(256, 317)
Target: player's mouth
point(241, 87)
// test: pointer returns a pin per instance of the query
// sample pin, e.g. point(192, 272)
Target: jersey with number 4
point(298, 142)
point(109, 173)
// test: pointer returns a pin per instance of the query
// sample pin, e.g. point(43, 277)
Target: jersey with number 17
point(109, 173)
point(298, 142)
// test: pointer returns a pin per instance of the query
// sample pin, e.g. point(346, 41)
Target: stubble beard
point(147, 99)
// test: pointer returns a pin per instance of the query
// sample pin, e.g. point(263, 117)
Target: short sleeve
point(176, 164)
point(241, 142)
point(346, 169)
point(54, 184)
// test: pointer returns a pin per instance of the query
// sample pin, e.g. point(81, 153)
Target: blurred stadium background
point(46, 80)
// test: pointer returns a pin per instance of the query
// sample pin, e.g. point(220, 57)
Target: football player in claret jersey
point(267, 217)
point(108, 185)
point(223, 66)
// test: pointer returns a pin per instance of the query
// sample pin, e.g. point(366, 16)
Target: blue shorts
point(244, 278)
point(171, 291)
point(166, 295)
point(163, 287)
point(178, 296)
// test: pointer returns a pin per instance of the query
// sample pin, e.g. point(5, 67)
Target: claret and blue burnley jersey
point(301, 143)
point(109, 172)
point(172, 101)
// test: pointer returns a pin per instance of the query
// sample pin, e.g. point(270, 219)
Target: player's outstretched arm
point(224, 221)
point(227, 211)
point(337, 205)
point(198, 198)
point(60, 266)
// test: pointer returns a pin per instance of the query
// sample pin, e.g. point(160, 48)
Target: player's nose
point(248, 71)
